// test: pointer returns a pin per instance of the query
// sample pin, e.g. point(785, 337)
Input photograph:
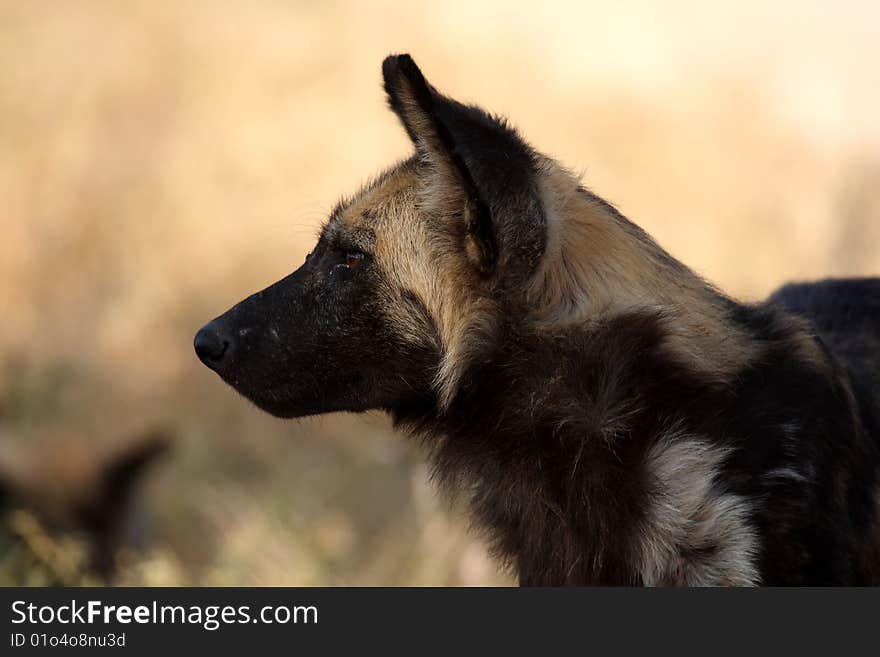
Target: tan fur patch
point(598, 264)
point(695, 535)
point(416, 249)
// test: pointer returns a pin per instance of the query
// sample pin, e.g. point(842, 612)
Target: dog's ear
point(414, 101)
point(489, 166)
point(421, 109)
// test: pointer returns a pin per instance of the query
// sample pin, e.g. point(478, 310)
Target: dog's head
point(407, 278)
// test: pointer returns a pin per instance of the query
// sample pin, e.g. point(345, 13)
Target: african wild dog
point(611, 417)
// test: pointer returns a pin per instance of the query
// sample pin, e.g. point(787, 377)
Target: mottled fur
point(610, 416)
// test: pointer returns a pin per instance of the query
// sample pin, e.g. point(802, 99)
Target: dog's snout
point(213, 345)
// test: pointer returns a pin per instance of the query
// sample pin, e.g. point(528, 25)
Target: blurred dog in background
point(69, 508)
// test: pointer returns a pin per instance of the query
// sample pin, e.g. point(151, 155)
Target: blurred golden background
point(160, 161)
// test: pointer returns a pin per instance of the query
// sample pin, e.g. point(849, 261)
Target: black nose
point(212, 345)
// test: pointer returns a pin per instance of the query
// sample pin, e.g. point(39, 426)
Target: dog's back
point(846, 316)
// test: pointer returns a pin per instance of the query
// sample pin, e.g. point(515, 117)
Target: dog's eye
point(353, 259)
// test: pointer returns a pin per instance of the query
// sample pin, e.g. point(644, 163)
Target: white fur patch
point(695, 534)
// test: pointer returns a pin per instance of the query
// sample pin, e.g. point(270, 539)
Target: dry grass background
point(159, 161)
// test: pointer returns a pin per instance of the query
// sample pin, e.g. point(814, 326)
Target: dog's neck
point(598, 265)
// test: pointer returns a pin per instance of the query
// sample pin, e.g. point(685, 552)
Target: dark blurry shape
point(68, 508)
